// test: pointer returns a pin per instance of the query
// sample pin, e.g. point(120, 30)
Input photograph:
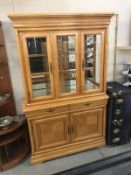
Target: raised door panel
point(66, 53)
point(38, 65)
point(51, 132)
point(92, 63)
point(87, 125)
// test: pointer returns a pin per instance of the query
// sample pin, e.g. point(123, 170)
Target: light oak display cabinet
point(63, 61)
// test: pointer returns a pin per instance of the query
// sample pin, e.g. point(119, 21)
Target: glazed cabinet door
point(92, 64)
point(38, 65)
point(87, 125)
point(51, 132)
point(66, 52)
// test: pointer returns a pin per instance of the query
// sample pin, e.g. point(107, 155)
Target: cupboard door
point(92, 61)
point(38, 62)
point(66, 51)
point(51, 132)
point(87, 125)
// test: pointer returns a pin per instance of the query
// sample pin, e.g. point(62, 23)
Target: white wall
point(123, 8)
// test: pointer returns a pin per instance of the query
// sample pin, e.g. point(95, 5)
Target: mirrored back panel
point(67, 63)
point(39, 66)
point(92, 60)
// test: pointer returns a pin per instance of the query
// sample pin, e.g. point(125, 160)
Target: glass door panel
point(66, 50)
point(92, 61)
point(39, 66)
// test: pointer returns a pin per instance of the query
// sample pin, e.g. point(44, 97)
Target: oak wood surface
point(69, 122)
point(86, 125)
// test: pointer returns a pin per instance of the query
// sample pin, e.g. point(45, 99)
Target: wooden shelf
point(11, 137)
point(14, 144)
point(15, 158)
point(4, 102)
point(124, 48)
point(13, 127)
point(1, 44)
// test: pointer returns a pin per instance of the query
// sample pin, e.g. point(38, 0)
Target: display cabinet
point(63, 61)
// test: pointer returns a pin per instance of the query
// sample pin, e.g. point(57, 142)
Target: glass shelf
point(68, 70)
point(68, 86)
point(39, 75)
point(88, 68)
point(37, 55)
point(41, 89)
point(90, 85)
point(88, 50)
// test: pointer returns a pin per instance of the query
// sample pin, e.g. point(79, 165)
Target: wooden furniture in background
point(14, 139)
point(14, 144)
point(63, 61)
point(7, 105)
point(124, 48)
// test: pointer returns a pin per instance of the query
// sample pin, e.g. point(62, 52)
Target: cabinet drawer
point(49, 111)
point(86, 105)
point(55, 110)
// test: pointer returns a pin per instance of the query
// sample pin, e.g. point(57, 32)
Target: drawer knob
point(115, 122)
point(118, 112)
point(51, 110)
point(119, 101)
point(120, 92)
point(115, 140)
point(87, 104)
point(1, 77)
point(114, 94)
point(116, 130)
point(121, 120)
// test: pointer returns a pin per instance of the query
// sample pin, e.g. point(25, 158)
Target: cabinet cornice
point(61, 20)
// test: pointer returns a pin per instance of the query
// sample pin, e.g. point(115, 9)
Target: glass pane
point(67, 65)
point(39, 68)
point(91, 63)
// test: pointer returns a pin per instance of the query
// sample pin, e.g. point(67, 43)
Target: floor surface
point(64, 163)
point(121, 169)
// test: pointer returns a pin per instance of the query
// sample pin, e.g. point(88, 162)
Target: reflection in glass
point(67, 66)
point(38, 59)
point(68, 82)
point(41, 86)
point(91, 62)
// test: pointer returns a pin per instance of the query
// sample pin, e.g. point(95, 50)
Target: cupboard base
point(52, 154)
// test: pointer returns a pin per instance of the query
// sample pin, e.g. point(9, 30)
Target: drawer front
point(48, 111)
point(86, 105)
point(55, 110)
